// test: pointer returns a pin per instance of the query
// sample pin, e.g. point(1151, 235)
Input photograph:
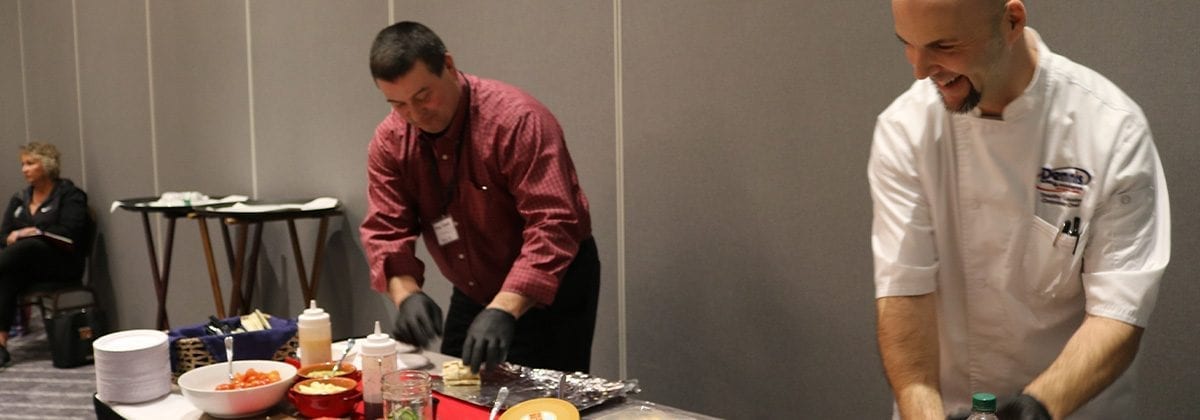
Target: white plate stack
point(132, 366)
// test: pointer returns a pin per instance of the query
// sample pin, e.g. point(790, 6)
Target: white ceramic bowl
point(199, 387)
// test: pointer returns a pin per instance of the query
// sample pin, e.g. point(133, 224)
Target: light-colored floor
point(32, 388)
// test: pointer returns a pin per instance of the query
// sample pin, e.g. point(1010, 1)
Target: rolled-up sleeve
point(1130, 241)
point(389, 230)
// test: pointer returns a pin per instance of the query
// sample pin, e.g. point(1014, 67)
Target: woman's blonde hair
point(47, 153)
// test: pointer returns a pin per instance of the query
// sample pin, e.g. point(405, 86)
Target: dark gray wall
point(722, 145)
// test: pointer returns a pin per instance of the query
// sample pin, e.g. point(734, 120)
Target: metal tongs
point(500, 397)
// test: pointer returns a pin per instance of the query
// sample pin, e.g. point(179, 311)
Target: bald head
point(970, 49)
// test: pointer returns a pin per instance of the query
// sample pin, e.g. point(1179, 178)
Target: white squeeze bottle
point(378, 358)
point(315, 337)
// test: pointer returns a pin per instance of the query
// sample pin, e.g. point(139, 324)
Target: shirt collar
point(1033, 94)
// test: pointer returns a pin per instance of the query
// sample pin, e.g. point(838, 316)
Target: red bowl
point(346, 371)
point(326, 405)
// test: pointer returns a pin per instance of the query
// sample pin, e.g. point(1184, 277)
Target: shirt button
point(462, 257)
point(445, 157)
point(471, 283)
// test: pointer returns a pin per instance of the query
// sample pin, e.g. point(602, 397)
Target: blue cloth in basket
point(251, 345)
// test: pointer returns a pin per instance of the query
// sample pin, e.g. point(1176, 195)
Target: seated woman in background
point(41, 225)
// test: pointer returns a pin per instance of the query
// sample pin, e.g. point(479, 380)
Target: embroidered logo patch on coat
point(1063, 186)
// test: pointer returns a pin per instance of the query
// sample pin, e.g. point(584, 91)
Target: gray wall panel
point(1151, 50)
point(12, 99)
point(202, 116)
point(311, 141)
point(53, 116)
point(562, 54)
point(116, 126)
point(746, 134)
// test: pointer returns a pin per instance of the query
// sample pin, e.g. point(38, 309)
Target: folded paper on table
point(323, 203)
point(184, 199)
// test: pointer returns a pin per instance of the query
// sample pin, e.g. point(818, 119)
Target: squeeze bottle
point(315, 337)
point(378, 358)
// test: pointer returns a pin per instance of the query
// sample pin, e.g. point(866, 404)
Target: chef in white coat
point(1021, 222)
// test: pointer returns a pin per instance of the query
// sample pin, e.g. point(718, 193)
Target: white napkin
point(315, 204)
point(183, 199)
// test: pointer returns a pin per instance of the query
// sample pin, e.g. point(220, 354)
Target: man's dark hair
point(398, 47)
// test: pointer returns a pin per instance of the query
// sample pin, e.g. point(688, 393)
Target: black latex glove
point(1023, 407)
point(489, 337)
point(418, 320)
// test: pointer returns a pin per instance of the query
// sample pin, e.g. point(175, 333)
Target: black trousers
point(556, 337)
point(30, 261)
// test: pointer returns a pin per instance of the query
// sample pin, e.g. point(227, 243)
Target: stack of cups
point(132, 366)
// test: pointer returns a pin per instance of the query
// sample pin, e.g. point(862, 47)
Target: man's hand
point(418, 320)
point(1024, 407)
point(489, 337)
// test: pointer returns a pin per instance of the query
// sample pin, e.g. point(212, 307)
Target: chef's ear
point(1013, 23)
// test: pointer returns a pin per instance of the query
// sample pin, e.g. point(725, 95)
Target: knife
point(500, 397)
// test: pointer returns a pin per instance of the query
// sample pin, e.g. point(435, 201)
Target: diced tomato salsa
point(249, 379)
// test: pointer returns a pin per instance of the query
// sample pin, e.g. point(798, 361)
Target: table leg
point(252, 271)
point(316, 269)
point(309, 283)
point(301, 271)
point(160, 278)
point(212, 267)
point(236, 266)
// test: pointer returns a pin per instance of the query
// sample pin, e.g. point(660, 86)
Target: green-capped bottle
point(983, 407)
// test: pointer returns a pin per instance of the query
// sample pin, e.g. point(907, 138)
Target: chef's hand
point(1023, 407)
point(489, 337)
point(418, 320)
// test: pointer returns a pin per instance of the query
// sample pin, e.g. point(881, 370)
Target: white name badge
point(445, 231)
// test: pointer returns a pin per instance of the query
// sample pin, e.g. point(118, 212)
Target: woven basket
point(192, 354)
point(191, 347)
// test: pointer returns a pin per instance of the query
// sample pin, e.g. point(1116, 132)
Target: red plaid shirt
point(519, 211)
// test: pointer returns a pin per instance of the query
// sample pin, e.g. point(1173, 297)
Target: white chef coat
point(973, 208)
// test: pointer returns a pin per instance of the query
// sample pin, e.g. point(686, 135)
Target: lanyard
point(449, 192)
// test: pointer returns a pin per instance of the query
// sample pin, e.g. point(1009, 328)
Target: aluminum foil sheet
point(582, 390)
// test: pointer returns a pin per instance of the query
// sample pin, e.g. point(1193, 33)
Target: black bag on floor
point(72, 322)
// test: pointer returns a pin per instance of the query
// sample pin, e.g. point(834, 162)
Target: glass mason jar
point(407, 395)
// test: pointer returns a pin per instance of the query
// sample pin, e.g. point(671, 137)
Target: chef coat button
point(1125, 199)
point(462, 257)
point(471, 283)
point(445, 157)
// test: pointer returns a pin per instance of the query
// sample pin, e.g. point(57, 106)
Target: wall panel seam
point(24, 79)
point(78, 95)
point(153, 115)
point(250, 94)
point(619, 140)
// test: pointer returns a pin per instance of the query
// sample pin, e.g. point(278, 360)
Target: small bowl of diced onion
point(331, 397)
point(325, 371)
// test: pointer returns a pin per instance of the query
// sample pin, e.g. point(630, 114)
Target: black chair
point(69, 310)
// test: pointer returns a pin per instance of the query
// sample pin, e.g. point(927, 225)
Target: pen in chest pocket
point(1070, 228)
